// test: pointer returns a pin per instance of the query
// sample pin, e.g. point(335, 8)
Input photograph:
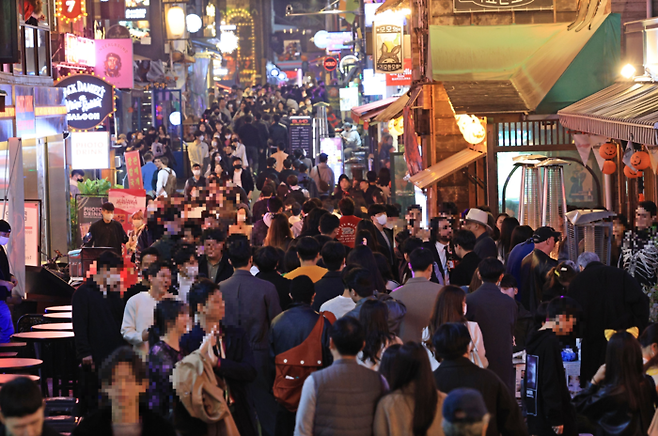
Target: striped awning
point(625, 110)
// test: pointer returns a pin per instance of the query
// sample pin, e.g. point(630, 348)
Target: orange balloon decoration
point(640, 160)
point(608, 151)
point(628, 172)
point(609, 167)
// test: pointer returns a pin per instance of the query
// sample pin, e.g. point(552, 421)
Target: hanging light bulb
point(471, 128)
point(228, 42)
point(176, 22)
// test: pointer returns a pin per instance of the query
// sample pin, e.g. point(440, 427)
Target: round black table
point(68, 308)
point(59, 315)
point(19, 363)
point(5, 378)
point(55, 326)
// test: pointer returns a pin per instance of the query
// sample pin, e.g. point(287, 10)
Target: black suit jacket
point(224, 271)
point(384, 247)
point(247, 181)
point(506, 417)
point(463, 272)
point(281, 284)
point(267, 173)
point(495, 313)
point(328, 287)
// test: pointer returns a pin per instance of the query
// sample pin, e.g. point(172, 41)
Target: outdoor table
point(9, 354)
point(6, 378)
point(10, 363)
point(59, 358)
point(13, 344)
point(51, 309)
point(59, 315)
point(56, 326)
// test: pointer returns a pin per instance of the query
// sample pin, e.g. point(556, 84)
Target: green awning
point(524, 68)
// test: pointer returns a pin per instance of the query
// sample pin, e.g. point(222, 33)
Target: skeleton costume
point(639, 257)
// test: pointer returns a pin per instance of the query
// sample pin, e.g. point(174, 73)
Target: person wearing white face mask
point(106, 232)
point(188, 270)
point(197, 150)
point(196, 181)
point(377, 213)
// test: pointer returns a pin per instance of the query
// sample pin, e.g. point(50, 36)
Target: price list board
point(301, 134)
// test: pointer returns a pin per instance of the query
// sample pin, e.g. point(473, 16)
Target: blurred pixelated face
point(148, 260)
point(124, 391)
point(510, 292)
point(643, 218)
point(215, 307)
point(183, 323)
point(213, 249)
point(416, 215)
point(137, 223)
point(29, 425)
point(618, 229)
point(345, 184)
point(564, 325)
point(445, 231)
point(364, 185)
point(161, 281)
point(499, 222)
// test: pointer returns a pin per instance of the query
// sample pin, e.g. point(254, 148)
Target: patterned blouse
point(161, 395)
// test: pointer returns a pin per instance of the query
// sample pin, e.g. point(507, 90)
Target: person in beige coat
point(414, 405)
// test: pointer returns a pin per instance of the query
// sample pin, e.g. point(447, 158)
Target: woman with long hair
point(279, 234)
point(520, 234)
point(374, 319)
point(450, 306)
point(385, 270)
point(370, 227)
point(558, 280)
point(170, 322)
point(649, 342)
point(620, 394)
point(364, 237)
point(414, 405)
point(362, 256)
point(312, 222)
point(505, 242)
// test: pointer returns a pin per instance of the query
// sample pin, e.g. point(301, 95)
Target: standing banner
point(134, 170)
point(15, 211)
point(388, 45)
point(114, 61)
point(126, 202)
point(89, 211)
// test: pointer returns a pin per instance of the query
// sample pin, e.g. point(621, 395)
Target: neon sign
point(89, 100)
point(79, 51)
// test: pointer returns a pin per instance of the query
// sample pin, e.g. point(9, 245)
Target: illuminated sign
point(9, 112)
point(349, 98)
point(25, 118)
point(136, 14)
point(89, 100)
point(501, 5)
point(70, 11)
point(79, 51)
point(137, 10)
point(347, 61)
point(388, 46)
point(90, 150)
point(330, 64)
point(49, 111)
point(332, 41)
point(403, 79)
point(373, 84)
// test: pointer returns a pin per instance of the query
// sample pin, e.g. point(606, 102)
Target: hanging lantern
point(640, 160)
point(396, 126)
point(608, 150)
point(609, 167)
point(628, 172)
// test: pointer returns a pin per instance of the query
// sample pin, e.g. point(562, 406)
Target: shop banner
point(126, 202)
point(90, 150)
point(89, 211)
point(32, 230)
point(300, 134)
point(114, 61)
point(134, 169)
point(89, 99)
point(403, 79)
point(388, 45)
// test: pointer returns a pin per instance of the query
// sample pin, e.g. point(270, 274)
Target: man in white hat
point(477, 221)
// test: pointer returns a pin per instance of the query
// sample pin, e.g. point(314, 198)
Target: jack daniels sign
point(89, 100)
point(501, 5)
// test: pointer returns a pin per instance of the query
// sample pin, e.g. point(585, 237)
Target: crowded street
point(351, 218)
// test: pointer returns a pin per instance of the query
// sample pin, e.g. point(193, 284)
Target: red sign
point(70, 11)
point(403, 79)
point(134, 169)
point(330, 64)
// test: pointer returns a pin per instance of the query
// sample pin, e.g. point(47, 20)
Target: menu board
point(301, 134)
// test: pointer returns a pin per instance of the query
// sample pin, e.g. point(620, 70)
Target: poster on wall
point(32, 230)
point(89, 211)
point(89, 99)
point(388, 51)
point(301, 134)
point(114, 61)
point(126, 203)
point(349, 98)
point(403, 79)
point(134, 170)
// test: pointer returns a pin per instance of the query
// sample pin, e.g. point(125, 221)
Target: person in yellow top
point(308, 251)
point(649, 342)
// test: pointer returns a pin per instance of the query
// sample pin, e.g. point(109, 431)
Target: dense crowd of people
point(276, 299)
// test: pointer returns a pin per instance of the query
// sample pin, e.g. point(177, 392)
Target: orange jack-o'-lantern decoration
point(609, 167)
point(628, 172)
point(608, 151)
point(640, 160)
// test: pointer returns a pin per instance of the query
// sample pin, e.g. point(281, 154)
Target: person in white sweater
point(138, 314)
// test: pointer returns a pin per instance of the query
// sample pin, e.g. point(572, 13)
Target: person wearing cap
point(351, 137)
point(106, 232)
point(451, 344)
point(477, 221)
point(291, 328)
point(323, 175)
point(611, 299)
point(7, 284)
point(464, 413)
point(536, 266)
point(77, 176)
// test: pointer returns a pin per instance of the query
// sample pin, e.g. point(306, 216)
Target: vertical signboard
point(126, 202)
point(134, 170)
point(388, 51)
point(90, 150)
point(25, 118)
point(301, 134)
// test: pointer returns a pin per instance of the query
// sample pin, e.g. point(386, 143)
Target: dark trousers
point(88, 390)
point(285, 421)
point(261, 390)
point(252, 157)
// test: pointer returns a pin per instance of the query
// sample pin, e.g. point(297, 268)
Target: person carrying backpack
point(299, 344)
point(165, 185)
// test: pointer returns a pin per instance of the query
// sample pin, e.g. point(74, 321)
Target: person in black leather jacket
point(289, 329)
point(536, 266)
point(621, 399)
